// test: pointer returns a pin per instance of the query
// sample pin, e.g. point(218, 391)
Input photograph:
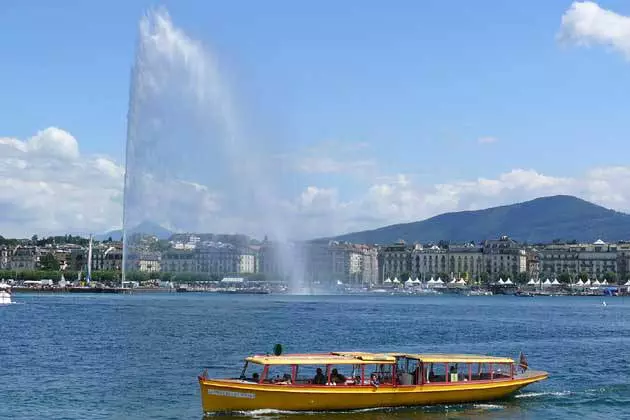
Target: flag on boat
point(522, 362)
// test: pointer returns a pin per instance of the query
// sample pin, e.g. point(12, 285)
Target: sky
point(365, 114)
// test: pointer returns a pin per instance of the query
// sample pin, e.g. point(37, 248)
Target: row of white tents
point(417, 281)
point(579, 283)
point(531, 282)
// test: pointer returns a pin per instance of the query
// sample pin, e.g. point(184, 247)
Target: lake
point(138, 356)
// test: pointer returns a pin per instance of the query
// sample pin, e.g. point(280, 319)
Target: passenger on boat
point(255, 377)
point(336, 377)
point(374, 380)
point(320, 378)
point(286, 380)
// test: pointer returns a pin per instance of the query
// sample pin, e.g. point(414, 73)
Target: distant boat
point(5, 294)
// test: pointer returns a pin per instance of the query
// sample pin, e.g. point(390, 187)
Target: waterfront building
point(369, 267)
point(24, 257)
point(149, 262)
point(533, 264)
point(394, 260)
point(594, 260)
point(456, 261)
point(504, 256)
point(495, 258)
point(179, 261)
point(4, 258)
point(209, 258)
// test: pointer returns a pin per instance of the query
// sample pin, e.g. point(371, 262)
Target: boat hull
point(232, 395)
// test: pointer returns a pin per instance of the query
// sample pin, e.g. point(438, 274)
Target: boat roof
point(337, 358)
point(454, 358)
point(365, 358)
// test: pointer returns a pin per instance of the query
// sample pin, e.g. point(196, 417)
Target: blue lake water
point(138, 356)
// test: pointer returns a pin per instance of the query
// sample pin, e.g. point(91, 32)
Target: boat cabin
point(438, 369)
point(372, 369)
point(328, 369)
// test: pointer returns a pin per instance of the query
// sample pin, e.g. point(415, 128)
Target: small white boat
point(5, 294)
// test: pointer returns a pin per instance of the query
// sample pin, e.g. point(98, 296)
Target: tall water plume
point(189, 166)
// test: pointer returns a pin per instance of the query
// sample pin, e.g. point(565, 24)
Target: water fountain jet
point(186, 155)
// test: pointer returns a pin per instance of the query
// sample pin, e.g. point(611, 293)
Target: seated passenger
point(337, 377)
point(286, 380)
point(374, 380)
point(255, 377)
point(320, 378)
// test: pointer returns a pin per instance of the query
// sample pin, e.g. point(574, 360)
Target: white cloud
point(586, 23)
point(487, 140)
point(51, 142)
point(47, 187)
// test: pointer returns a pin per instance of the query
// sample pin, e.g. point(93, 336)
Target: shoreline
point(126, 291)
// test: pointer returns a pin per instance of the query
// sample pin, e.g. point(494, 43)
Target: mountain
point(540, 220)
point(146, 227)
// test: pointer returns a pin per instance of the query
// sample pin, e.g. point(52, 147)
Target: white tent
point(627, 283)
point(508, 281)
point(453, 281)
point(396, 280)
point(587, 282)
point(388, 280)
point(417, 281)
point(555, 282)
point(409, 282)
point(432, 281)
point(596, 283)
point(605, 282)
point(580, 282)
point(531, 282)
point(547, 282)
point(461, 281)
point(439, 281)
point(501, 281)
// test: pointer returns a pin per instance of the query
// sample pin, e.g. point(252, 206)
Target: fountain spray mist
point(187, 159)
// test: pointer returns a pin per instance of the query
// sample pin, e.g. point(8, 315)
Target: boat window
point(251, 372)
point(382, 372)
point(310, 375)
point(435, 372)
point(278, 374)
point(480, 371)
point(407, 371)
point(344, 374)
point(457, 372)
point(501, 371)
point(385, 373)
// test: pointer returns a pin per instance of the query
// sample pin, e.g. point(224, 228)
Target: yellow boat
point(313, 382)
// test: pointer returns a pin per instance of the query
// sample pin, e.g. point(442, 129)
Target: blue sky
point(408, 92)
